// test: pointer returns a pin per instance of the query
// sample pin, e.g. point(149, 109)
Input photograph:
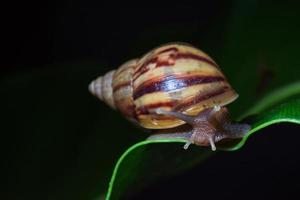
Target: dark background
point(46, 34)
point(39, 33)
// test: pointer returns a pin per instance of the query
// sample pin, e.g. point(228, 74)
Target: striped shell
point(175, 77)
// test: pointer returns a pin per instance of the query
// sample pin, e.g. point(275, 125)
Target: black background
point(39, 33)
point(36, 34)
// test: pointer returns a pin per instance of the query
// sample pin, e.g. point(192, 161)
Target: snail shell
point(173, 77)
point(115, 88)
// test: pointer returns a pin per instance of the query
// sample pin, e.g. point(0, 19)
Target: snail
point(173, 86)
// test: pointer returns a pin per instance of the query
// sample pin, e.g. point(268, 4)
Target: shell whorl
point(177, 77)
point(115, 88)
point(102, 88)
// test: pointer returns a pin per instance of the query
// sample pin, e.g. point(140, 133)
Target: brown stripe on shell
point(144, 110)
point(201, 97)
point(121, 85)
point(159, 62)
point(144, 68)
point(170, 62)
point(172, 82)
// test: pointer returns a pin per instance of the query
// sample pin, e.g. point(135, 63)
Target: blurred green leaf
point(146, 161)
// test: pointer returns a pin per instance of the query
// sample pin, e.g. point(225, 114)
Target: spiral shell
point(115, 88)
point(175, 77)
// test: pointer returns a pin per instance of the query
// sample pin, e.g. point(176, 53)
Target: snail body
point(168, 87)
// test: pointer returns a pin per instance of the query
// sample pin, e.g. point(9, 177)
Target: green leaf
point(135, 164)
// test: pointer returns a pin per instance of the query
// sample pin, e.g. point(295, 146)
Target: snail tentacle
point(186, 118)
